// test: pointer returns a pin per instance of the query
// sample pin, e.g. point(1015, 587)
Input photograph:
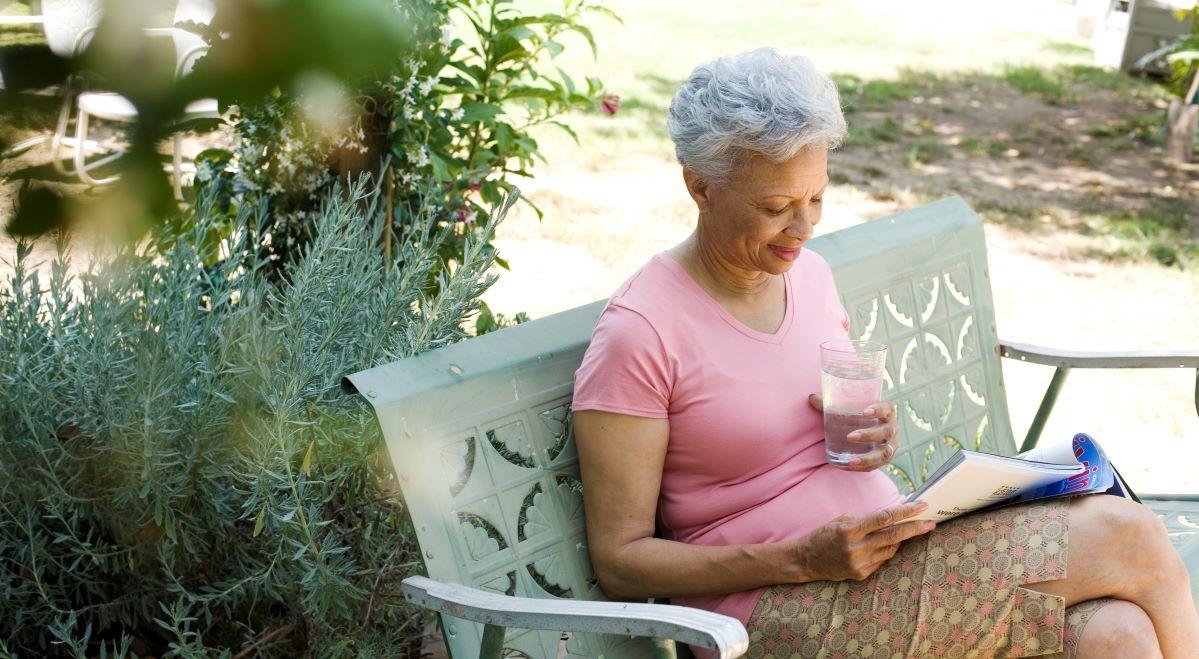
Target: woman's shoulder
point(653, 286)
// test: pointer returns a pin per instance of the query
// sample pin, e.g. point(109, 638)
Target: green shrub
point(180, 474)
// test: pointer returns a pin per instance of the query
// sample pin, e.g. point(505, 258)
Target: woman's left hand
point(886, 434)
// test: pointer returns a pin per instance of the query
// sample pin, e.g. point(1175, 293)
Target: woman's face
point(758, 220)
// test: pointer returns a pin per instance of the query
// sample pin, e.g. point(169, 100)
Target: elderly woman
point(700, 439)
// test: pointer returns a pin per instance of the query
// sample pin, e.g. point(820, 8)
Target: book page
point(1061, 452)
point(975, 484)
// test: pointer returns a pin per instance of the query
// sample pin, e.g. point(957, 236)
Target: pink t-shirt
point(745, 463)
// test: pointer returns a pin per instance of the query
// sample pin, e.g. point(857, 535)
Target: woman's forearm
point(653, 567)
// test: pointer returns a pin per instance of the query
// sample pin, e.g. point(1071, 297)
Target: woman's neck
point(717, 274)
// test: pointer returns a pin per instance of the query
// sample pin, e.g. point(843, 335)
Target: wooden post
point(1180, 124)
point(1180, 130)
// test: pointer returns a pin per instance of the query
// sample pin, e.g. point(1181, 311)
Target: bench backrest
point(479, 431)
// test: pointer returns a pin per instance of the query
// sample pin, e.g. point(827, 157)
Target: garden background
point(1093, 245)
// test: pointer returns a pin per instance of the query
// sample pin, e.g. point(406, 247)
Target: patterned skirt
point(955, 592)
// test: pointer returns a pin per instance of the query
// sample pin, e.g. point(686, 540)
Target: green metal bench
point(480, 436)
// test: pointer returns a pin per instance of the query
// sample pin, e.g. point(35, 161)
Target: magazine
point(970, 481)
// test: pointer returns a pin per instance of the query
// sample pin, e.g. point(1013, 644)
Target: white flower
point(456, 115)
point(427, 85)
point(420, 157)
point(410, 112)
point(204, 171)
point(447, 36)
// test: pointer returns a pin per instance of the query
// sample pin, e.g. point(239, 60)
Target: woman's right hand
point(854, 547)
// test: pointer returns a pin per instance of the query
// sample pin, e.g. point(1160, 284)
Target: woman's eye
point(779, 211)
point(817, 200)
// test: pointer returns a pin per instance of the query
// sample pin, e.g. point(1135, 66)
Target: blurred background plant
point(433, 98)
point(1182, 54)
point(455, 116)
point(180, 474)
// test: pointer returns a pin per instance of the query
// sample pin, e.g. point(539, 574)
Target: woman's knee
point(1119, 629)
point(1137, 540)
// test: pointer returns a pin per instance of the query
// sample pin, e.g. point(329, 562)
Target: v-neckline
point(777, 337)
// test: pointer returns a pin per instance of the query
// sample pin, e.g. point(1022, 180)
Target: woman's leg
point(1118, 548)
point(1110, 628)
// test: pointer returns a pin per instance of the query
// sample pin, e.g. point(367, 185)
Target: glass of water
point(851, 375)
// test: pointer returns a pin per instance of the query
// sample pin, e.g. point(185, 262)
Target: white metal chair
point(189, 47)
point(69, 26)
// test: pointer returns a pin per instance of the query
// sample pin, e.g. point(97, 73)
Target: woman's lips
point(785, 254)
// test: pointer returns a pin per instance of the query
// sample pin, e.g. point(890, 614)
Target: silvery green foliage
point(178, 465)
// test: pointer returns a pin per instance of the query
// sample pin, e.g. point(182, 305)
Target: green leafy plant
point(259, 47)
point(450, 126)
point(1182, 54)
point(180, 474)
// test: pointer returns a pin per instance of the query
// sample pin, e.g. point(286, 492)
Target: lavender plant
point(180, 474)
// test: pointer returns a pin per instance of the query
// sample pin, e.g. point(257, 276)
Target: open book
point(969, 481)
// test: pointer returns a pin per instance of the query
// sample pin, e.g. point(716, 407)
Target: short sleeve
point(625, 369)
point(836, 307)
point(832, 298)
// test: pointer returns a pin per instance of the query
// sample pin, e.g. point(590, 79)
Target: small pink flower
point(475, 187)
point(610, 104)
point(953, 577)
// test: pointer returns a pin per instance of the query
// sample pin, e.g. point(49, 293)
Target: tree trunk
point(376, 127)
point(1180, 131)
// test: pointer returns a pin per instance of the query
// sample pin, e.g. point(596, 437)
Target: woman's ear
point(698, 188)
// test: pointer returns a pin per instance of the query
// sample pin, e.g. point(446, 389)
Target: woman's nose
point(801, 226)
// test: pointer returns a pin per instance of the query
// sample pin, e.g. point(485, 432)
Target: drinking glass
point(851, 376)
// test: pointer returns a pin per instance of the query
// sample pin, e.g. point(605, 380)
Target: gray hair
point(759, 101)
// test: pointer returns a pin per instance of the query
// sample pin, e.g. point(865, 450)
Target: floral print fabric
point(956, 592)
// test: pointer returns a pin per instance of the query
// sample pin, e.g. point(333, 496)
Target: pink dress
point(745, 463)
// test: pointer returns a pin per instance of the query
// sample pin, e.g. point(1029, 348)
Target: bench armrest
point(1065, 360)
point(1077, 359)
point(663, 621)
